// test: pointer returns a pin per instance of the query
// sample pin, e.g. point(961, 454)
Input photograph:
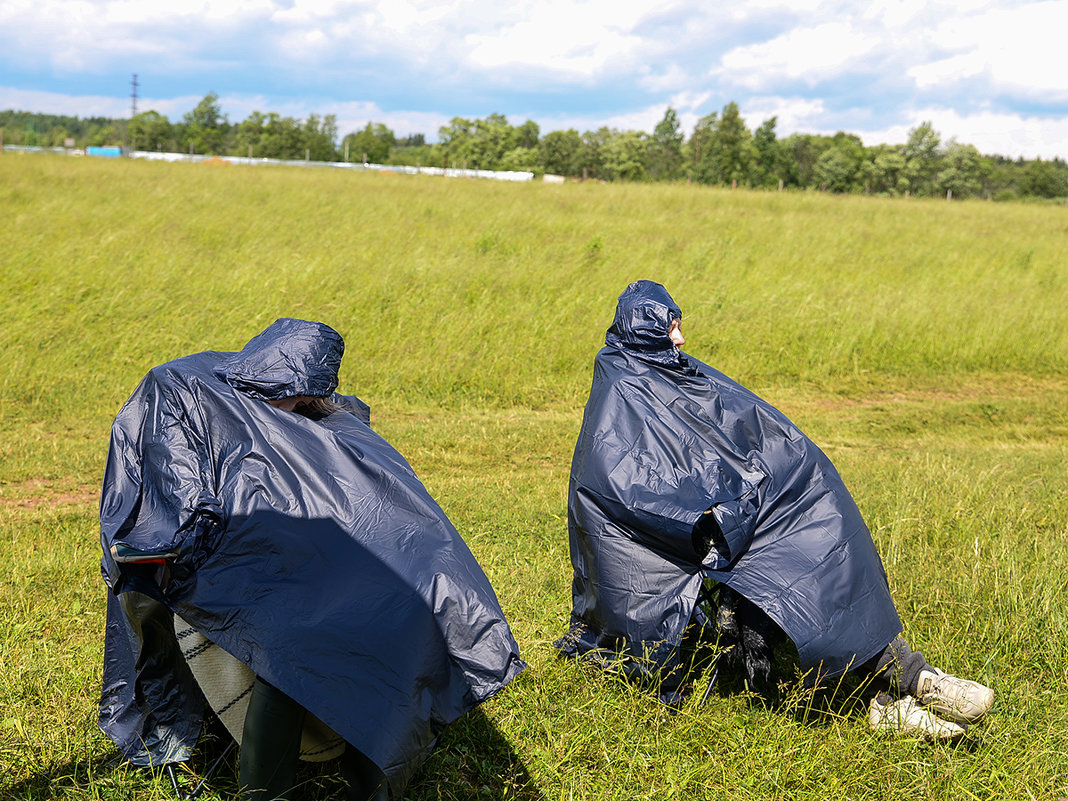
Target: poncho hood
point(288, 358)
point(643, 318)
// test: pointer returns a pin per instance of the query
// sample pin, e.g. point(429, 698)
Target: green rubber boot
point(270, 744)
point(364, 779)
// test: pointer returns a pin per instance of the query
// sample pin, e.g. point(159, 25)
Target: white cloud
point(765, 8)
point(793, 115)
point(576, 40)
point(313, 12)
point(671, 78)
point(352, 117)
point(818, 65)
point(65, 105)
point(948, 70)
point(304, 44)
point(572, 41)
point(894, 13)
point(644, 119)
point(87, 35)
point(1003, 134)
point(804, 54)
point(1020, 49)
point(690, 101)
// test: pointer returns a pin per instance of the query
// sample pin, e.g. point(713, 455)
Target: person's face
point(675, 334)
point(289, 404)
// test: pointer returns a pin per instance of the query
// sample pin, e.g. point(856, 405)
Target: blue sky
point(986, 72)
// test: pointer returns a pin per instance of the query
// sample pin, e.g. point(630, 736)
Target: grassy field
point(923, 344)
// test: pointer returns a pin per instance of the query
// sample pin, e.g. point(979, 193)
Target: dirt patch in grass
point(995, 388)
point(35, 492)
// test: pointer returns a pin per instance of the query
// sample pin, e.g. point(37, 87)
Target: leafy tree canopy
point(721, 150)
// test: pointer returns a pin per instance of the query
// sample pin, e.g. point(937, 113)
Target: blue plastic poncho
point(666, 438)
point(307, 548)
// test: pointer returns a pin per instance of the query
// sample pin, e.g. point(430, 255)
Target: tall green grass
point(923, 344)
point(506, 288)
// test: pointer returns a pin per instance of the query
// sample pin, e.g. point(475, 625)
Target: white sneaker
point(905, 716)
point(957, 699)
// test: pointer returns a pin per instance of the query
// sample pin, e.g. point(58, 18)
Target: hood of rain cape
point(306, 548)
point(665, 438)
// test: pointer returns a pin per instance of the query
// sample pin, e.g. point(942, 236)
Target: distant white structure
point(549, 178)
point(495, 175)
point(152, 155)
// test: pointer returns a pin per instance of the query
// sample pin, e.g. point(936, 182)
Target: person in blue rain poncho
point(683, 479)
point(250, 515)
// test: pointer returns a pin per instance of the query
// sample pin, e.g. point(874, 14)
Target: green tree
point(458, 129)
point(665, 148)
point(734, 146)
point(248, 134)
point(281, 138)
point(770, 164)
point(922, 158)
point(841, 166)
point(527, 134)
point(722, 148)
point(1044, 179)
point(624, 155)
point(803, 151)
point(149, 130)
point(964, 171)
point(834, 171)
point(205, 126)
point(373, 143)
point(559, 152)
point(887, 173)
point(102, 134)
point(481, 144)
point(56, 137)
point(704, 166)
point(412, 150)
point(520, 159)
point(320, 138)
point(455, 141)
point(1005, 177)
point(494, 137)
point(591, 155)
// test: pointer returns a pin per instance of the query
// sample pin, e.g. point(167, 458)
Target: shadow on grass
point(473, 761)
point(109, 776)
point(843, 698)
point(57, 780)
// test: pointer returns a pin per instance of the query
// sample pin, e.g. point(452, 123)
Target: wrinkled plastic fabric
point(307, 548)
point(665, 438)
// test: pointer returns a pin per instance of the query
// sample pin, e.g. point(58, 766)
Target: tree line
point(721, 150)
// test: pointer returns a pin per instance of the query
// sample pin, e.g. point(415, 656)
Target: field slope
point(924, 344)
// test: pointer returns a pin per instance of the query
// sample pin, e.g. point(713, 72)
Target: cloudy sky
point(986, 72)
